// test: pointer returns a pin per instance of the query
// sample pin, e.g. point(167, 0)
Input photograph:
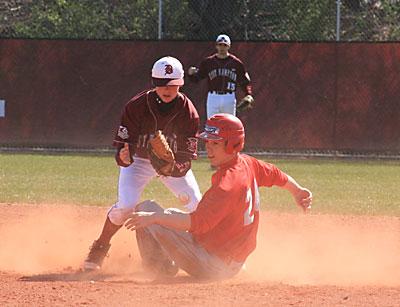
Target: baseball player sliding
point(157, 117)
point(215, 240)
point(224, 72)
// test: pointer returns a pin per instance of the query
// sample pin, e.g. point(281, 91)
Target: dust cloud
point(292, 248)
point(44, 238)
point(328, 250)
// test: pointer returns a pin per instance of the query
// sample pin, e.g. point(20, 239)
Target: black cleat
point(96, 256)
point(168, 269)
point(163, 269)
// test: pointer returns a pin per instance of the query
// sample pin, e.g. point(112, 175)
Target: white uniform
point(134, 178)
point(224, 76)
point(220, 103)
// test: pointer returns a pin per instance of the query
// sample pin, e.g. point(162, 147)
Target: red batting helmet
point(225, 127)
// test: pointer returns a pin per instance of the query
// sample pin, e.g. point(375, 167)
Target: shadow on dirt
point(180, 280)
point(70, 276)
point(137, 278)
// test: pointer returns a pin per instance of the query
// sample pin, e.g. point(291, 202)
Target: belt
point(220, 92)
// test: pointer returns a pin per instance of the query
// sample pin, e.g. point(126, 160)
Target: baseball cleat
point(96, 256)
point(162, 269)
point(166, 268)
point(169, 269)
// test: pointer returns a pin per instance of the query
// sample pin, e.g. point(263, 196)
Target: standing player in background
point(215, 240)
point(163, 108)
point(224, 72)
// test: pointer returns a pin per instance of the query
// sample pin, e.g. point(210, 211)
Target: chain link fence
point(243, 20)
point(275, 20)
point(334, 81)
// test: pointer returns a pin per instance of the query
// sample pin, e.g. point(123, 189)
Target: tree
point(99, 19)
point(268, 20)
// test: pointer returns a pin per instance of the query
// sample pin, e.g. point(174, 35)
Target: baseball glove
point(246, 103)
point(160, 154)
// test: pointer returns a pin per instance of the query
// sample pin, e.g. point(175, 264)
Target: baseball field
point(345, 252)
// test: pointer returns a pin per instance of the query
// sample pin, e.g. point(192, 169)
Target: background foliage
point(271, 20)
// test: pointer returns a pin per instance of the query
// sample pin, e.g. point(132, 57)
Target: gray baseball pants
point(159, 245)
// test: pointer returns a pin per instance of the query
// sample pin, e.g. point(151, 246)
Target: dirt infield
point(301, 260)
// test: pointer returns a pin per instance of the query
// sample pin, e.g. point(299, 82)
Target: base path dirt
point(300, 260)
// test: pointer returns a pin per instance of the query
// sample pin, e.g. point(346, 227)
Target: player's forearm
point(297, 191)
point(292, 186)
point(181, 168)
point(124, 159)
point(194, 76)
point(302, 196)
point(175, 220)
point(247, 89)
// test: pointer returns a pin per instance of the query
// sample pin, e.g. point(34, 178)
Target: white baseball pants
point(225, 103)
point(134, 178)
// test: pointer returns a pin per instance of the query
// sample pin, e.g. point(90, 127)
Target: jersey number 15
point(230, 86)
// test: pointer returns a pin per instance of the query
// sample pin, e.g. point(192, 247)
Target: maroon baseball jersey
point(146, 113)
point(223, 75)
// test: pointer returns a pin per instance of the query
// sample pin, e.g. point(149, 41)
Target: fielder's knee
point(149, 206)
point(118, 216)
point(192, 202)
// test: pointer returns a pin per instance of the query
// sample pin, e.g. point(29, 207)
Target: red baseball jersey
point(146, 113)
point(226, 219)
point(223, 75)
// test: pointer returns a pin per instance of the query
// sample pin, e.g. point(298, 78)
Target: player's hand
point(140, 219)
point(303, 198)
point(125, 155)
point(192, 70)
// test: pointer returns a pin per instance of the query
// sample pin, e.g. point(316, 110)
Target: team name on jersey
point(223, 72)
point(143, 141)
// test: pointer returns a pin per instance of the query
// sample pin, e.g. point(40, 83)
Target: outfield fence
point(310, 97)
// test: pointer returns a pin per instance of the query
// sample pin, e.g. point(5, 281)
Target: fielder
point(157, 116)
point(224, 72)
point(215, 240)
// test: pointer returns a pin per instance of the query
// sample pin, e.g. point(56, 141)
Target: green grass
point(343, 187)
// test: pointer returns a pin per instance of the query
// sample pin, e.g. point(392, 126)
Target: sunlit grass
point(356, 187)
